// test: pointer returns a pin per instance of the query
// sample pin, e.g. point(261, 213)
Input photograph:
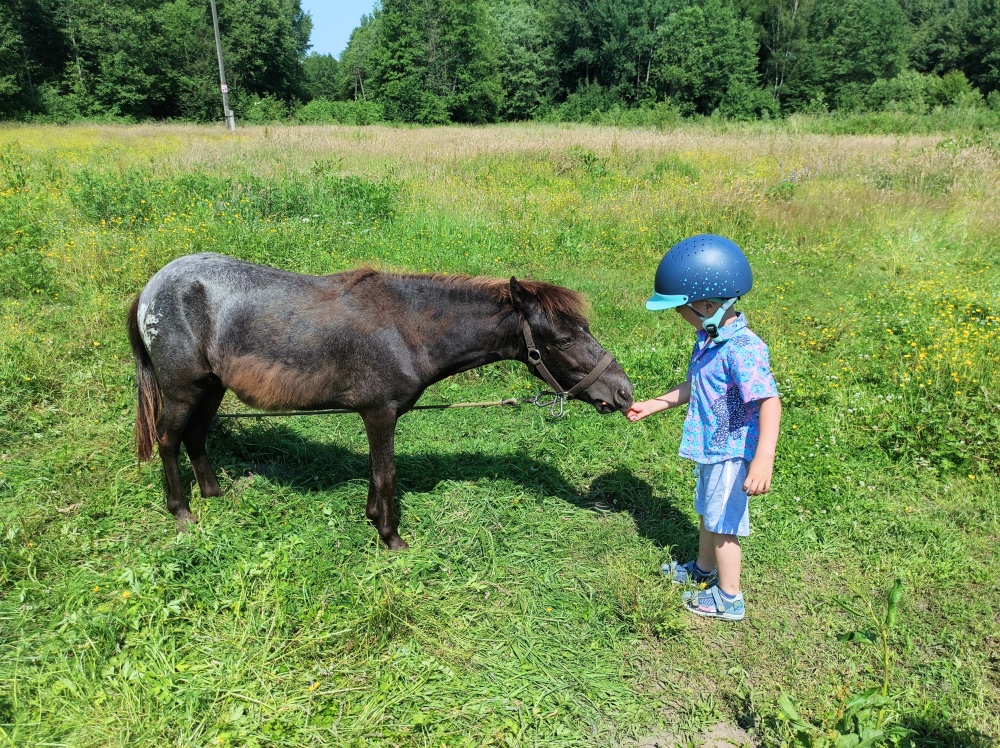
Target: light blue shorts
point(720, 499)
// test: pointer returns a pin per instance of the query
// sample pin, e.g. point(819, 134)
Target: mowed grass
point(520, 615)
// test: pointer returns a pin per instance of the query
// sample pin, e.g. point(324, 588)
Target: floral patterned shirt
point(729, 376)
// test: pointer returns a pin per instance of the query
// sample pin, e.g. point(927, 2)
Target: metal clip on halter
point(554, 401)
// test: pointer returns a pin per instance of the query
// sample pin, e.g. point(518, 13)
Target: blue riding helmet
point(704, 266)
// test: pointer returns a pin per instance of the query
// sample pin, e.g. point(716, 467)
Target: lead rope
point(555, 403)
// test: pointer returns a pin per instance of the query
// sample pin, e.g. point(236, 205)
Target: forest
point(481, 61)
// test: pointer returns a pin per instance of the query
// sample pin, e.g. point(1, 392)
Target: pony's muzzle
point(613, 391)
point(623, 398)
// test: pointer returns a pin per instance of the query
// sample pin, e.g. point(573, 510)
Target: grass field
point(520, 616)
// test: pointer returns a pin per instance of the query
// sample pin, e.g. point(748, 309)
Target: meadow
point(529, 609)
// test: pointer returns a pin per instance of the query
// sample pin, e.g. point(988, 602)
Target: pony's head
point(563, 343)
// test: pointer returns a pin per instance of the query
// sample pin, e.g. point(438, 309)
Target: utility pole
point(230, 119)
point(358, 79)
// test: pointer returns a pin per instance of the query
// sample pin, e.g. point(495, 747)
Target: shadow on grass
point(657, 518)
point(284, 456)
point(928, 733)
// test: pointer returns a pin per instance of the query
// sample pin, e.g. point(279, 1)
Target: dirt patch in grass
point(720, 735)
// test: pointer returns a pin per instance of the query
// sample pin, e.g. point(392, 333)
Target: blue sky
point(333, 22)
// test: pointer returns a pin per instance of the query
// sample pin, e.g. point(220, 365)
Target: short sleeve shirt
point(729, 376)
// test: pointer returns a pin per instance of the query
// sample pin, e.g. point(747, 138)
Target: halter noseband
point(560, 394)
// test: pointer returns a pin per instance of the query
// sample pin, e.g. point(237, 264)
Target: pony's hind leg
point(170, 427)
point(195, 435)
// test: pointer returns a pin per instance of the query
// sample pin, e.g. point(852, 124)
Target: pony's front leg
point(380, 426)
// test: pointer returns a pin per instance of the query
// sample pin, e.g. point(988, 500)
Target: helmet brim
point(658, 302)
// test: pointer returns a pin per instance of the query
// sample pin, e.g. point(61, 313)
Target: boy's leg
point(724, 599)
point(706, 560)
point(729, 557)
point(724, 508)
point(702, 569)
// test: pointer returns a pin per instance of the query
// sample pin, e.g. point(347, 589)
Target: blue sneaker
point(689, 573)
point(711, 604)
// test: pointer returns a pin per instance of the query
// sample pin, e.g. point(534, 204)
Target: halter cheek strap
point(535, 359)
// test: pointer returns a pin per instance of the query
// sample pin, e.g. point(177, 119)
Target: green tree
point(939, 34)
point(574, 42)
point(111, 69)
point(706, 59)
point(146, 58)
point(11, 61)
point(184, 49)
point(527, 62)
point(437, 60)
point(321, 76)
point(781, 27)
point(609, 43)
point(354, 66)
point(32, 51)
point(850, 45)
point(627, 30)
point(982, 59)
point(265, 42)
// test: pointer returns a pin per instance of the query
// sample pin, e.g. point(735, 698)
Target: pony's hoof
point(396, 543)
point(184, 520)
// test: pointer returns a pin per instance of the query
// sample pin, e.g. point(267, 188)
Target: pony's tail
point(150, 399)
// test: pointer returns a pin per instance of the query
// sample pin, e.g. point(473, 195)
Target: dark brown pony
point(366, 341)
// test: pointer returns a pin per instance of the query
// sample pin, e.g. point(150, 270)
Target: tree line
point(146, 59)
point(438, 61)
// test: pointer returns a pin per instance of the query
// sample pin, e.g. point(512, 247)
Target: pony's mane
point(556, 301)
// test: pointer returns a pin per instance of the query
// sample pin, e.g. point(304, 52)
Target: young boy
point(731, 428)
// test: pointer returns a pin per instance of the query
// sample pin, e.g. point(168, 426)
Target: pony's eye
point(564, 343)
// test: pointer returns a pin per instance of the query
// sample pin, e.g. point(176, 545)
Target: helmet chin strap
point(711, 324)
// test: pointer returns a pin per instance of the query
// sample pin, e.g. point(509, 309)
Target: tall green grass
point(521, 615)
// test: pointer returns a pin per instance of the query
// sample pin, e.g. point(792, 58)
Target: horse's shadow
point(285, 456)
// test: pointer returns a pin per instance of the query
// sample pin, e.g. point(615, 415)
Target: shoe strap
point(720, 605)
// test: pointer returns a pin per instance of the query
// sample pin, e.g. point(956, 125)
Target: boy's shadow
point(656, 517)
point(284, 456)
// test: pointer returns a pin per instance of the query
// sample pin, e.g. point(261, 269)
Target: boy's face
point(706, 307)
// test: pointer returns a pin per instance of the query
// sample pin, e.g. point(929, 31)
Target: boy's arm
point(679, 395)
point(759, 474)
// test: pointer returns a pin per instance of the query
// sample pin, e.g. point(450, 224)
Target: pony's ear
point(523, 300)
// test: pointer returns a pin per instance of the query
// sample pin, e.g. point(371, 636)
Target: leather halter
point(535, 359)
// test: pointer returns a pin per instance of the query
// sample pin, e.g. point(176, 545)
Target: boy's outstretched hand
point(640, 410)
